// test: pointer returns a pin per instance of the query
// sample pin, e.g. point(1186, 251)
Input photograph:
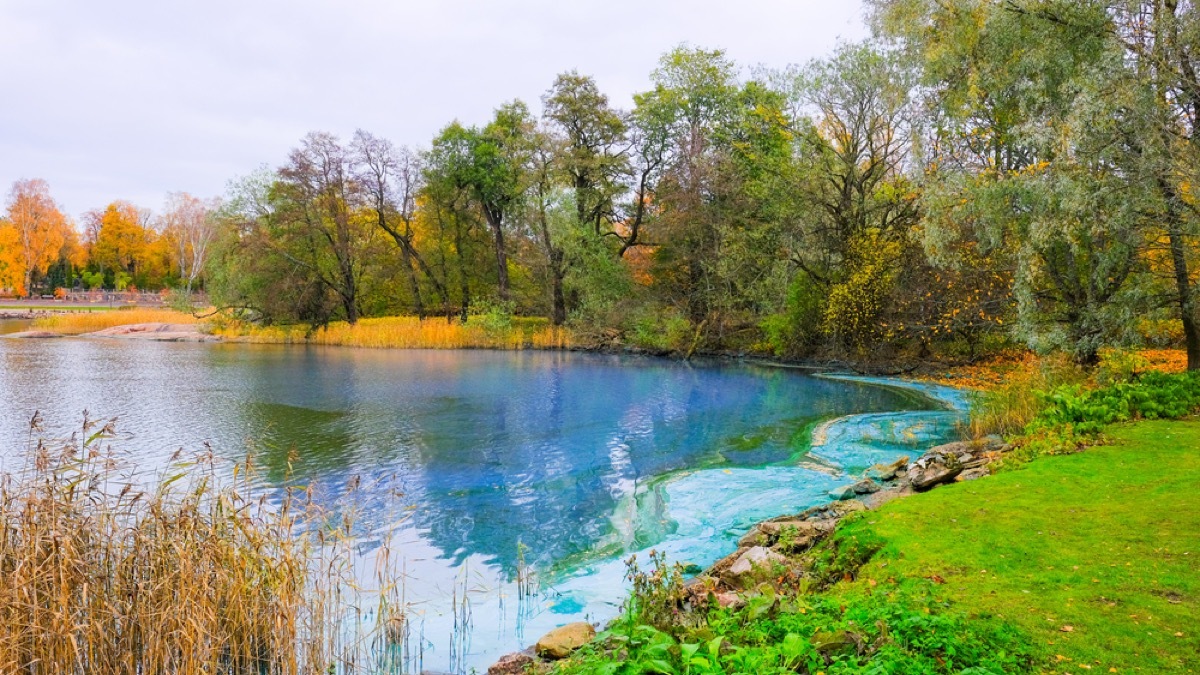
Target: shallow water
point(470, 458)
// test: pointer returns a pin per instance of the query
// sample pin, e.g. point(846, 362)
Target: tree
point(392, 181)
point(189, 225)
point(319, 224)
point(593, 155)
point(492, 164)
point(122, 243)
point(41, 228)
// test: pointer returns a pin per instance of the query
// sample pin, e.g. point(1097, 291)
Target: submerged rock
point(560, 642)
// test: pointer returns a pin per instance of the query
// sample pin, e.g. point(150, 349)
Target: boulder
point(840, 509)
point(753, 563)
point(972, 474)
point(886, 472)
point(560, 642)
point(931, 471)
point(844, 492)
point(512, 664)
point(865, 486)
point(730, 600)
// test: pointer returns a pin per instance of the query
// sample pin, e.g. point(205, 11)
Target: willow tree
point(1035, 117)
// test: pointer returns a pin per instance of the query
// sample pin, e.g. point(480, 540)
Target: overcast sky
point(132, 99)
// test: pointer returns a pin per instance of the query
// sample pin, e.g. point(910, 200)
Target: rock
point(930, 472)
point(840, 509)
point(754, 562)
point(560, 642)
point(886, 472)
point(973, 474)
point(33, 335)
point(865, 487)
point(755, 537)
point(511, 664)
point(794, 529)
point(730, 600)
point(960, 448)
point(844, 492)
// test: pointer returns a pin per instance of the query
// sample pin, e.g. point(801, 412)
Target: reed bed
point(190, 571)
point(90, 322)
point(408, 333)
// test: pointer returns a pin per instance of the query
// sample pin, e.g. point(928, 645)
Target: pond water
point(475, 460)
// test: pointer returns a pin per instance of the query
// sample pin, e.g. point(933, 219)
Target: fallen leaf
point(1067, 629)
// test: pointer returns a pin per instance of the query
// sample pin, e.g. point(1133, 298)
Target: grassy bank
point(407, 332)
point(90, 322)
point(1094, 556)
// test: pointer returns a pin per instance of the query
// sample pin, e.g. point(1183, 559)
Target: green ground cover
point(1095, 556)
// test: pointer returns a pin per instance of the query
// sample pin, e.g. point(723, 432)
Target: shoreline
point(732, 577)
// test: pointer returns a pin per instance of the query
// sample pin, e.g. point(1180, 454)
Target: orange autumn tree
point(40, 230)
point(122, 242)
point(12, 270)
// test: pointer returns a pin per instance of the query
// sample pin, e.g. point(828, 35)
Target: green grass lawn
point(1095, 556)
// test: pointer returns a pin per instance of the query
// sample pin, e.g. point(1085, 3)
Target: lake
point(474, 461)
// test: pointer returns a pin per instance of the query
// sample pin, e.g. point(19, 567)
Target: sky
point(133, 99)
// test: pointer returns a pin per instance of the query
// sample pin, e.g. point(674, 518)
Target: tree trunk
point(501, 254)
point(1186, 296)
point(463, 282)
point(559, 315)
point(413, 284)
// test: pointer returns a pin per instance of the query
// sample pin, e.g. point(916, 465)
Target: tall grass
point(407, 332)
point(90, 322)
point(1009, 406)
point(104, 572)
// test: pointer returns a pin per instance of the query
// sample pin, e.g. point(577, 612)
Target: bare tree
point(189, 225)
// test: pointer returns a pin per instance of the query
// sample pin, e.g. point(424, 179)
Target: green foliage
point(911, 633)
point(658, 329)
point(1071, 416)
point(797, 330)
point(93, 280)
point(1151, 396)
point(496, 318)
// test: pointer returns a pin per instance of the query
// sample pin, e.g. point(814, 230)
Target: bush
point(911, 633)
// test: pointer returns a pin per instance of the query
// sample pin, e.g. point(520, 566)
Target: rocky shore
point(784, 541)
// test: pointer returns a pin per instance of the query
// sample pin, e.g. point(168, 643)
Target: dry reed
point(408, 333)
point(105, 572)
point(89, 322)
